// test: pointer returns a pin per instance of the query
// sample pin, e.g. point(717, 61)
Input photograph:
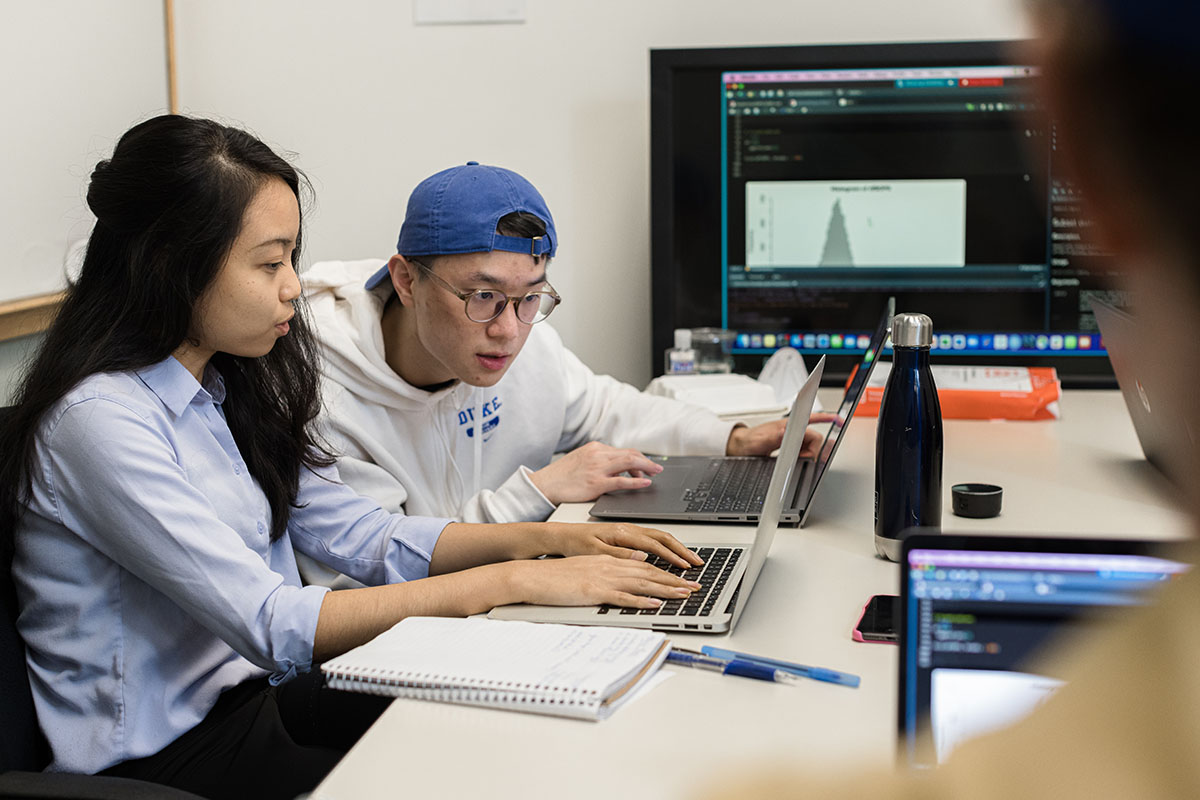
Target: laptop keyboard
point(719, 563)
point(732, 485)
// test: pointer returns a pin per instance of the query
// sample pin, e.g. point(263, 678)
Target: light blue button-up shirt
point(145, 572)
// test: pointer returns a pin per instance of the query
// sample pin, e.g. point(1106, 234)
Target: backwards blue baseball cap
point(457, 210)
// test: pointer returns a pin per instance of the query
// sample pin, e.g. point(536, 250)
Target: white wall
point(371, 104)
point(77, 73)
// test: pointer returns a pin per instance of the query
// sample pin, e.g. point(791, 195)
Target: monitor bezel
point(665, 265)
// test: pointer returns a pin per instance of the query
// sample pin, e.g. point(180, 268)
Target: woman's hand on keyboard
point(596, 580)
point(621, 540)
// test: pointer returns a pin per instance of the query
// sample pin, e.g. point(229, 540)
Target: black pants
point(262, 741)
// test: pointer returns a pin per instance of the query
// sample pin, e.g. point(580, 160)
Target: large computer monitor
point(793, 189)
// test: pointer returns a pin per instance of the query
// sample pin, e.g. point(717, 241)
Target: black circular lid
point(979, 500)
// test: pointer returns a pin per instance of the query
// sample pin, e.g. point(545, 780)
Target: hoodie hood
point(347, 317)
point(466, 452)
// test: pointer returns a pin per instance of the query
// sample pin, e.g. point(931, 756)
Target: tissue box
point(723, 394)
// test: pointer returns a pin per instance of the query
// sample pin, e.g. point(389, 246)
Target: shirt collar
point(176, 388)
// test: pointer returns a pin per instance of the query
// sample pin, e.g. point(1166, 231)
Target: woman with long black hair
point(161, 467)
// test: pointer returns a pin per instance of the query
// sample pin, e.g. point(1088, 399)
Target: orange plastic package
point(1026, 393)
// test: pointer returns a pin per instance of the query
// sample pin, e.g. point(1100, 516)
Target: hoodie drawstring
point(476, 410)
point(453, 472)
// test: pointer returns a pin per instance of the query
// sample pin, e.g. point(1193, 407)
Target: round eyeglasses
point(484, 305)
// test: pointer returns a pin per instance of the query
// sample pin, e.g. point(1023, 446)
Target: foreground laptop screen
point(977, 618)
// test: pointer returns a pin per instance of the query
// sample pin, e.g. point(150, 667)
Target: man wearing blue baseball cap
point(426, 396)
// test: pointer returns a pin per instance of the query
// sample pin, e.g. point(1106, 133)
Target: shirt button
point(237, 470)
point(261, 527)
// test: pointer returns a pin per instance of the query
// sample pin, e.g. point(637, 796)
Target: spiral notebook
point(563, 670)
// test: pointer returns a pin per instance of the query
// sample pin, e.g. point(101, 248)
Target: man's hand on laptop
point(587, 472)
point(764, 439)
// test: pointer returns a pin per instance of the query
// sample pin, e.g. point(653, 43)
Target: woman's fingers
point(652, 547)
point(587, 580)
point(660, 584)
point(650, 540)
point(652, 578)
point(678, 551)
point(626, 541)
point(646, 579)
point(627, 600)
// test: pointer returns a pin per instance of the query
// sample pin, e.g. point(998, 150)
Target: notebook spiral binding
point(428, 686)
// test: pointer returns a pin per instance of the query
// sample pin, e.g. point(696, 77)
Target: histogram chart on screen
point(887, 223)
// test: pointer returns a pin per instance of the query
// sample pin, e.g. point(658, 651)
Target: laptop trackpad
point(664, 494)
point(677, 475)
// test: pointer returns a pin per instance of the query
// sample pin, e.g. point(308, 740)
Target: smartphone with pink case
point(877, 623)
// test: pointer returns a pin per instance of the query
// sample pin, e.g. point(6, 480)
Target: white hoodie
point(417, 451)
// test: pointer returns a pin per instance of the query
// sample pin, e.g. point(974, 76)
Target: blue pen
point(745, 669)
point(815, 673)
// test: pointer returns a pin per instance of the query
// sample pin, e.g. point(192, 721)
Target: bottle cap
point(912, 330)
point(683, 338)
point(979, 500)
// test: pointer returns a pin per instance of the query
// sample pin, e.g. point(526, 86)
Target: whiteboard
point(77, 74)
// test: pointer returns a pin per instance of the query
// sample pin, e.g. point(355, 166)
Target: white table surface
point(1081, 475)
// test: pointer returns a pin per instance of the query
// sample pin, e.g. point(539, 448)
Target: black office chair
point(23, 749)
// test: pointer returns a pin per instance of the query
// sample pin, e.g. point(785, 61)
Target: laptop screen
point(854, 391)
point(979, 611)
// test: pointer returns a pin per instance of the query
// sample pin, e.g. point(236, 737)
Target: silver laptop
point(729, 571)
point(732, 488)
point(1157, 434)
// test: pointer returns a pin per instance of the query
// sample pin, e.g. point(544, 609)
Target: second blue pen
point(815, 673)
point(744, 669)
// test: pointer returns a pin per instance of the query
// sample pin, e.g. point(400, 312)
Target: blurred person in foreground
point(1127, 724)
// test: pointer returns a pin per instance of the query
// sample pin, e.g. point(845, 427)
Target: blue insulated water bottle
point(908, 442)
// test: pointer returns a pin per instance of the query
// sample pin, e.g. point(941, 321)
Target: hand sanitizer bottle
point(908, 441)
point(681, 359)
